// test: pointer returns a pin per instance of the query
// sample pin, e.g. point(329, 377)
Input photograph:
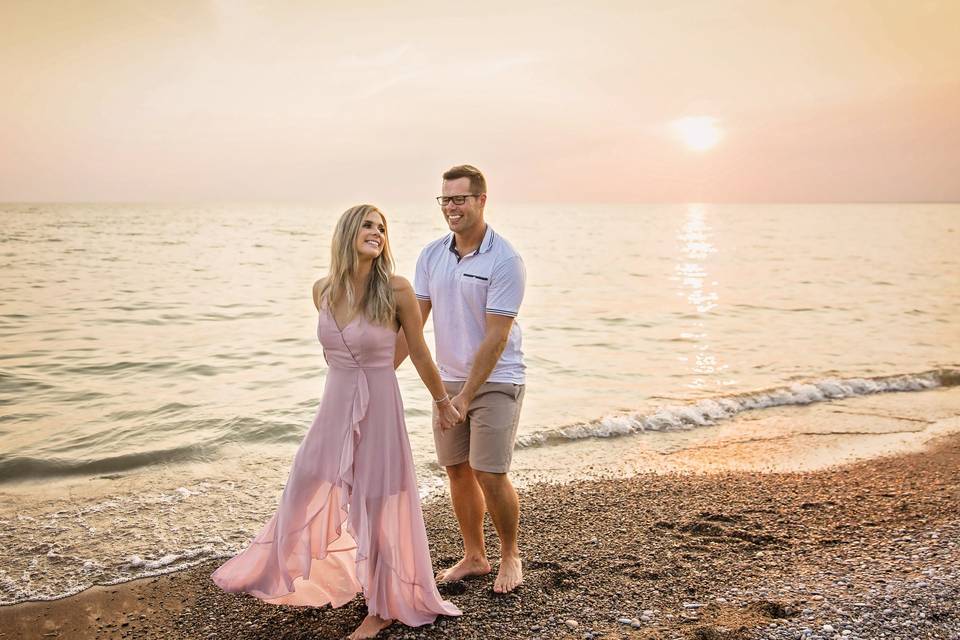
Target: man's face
point(462, 217)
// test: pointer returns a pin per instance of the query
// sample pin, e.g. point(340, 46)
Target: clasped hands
point(450, 411)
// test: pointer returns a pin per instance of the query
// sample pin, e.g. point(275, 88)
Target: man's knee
point(459, 472)
point(491, 482)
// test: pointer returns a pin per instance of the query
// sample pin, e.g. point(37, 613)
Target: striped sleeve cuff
point(502, 312)
point(420, 297)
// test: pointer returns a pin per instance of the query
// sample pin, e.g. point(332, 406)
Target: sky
point(641, 101)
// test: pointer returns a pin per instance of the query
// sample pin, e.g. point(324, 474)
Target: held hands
point(461, 403)
point(446, 415)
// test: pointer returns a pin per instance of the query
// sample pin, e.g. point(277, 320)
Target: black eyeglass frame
point(444, 200)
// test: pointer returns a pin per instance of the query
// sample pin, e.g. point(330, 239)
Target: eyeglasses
point(445, 200)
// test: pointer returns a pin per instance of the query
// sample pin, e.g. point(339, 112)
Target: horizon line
point(4, 203)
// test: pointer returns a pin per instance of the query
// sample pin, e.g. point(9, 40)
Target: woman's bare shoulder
point(316, 292)
point(399, 283)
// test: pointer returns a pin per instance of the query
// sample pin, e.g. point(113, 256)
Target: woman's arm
point(408, 312)
point(401, 351)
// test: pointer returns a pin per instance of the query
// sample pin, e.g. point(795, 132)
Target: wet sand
point(870, 548)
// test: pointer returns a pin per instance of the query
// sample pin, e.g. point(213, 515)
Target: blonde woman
point(349, 520)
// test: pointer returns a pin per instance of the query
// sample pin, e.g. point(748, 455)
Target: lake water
point(160, 363)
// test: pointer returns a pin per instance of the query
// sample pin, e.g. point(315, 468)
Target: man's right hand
point(461, 403)
point(448, 416)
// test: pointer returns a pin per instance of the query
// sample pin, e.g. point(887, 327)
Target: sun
point(699, 133)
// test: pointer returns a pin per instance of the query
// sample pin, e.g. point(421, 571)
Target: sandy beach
point(865, 550)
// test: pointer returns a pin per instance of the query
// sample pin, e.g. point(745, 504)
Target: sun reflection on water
point(692, 274)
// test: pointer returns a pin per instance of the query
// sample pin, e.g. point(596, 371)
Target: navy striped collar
point(485, 244)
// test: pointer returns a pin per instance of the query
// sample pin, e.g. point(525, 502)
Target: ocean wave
point(237, 431)
point(710, 411)
point(56, 571)
point(20, 384)
point(172, 561)
point(18, 467)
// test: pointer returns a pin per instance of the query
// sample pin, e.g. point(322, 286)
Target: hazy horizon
point(429, 202)
point(746, 101)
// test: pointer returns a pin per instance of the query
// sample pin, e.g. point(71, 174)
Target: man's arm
point(503, 303)
point(402, 349)
point(488, 353)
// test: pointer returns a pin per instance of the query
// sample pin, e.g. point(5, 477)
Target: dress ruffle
point(345, 526)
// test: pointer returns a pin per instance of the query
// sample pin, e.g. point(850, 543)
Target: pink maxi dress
point(349, 519)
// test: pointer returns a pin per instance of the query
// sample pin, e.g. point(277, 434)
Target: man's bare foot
point(510, 575)
point(463, 569)
point(370, 627)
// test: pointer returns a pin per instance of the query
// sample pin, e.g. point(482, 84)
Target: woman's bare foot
point(370, 627)
point(510, 575)
point(464, 569)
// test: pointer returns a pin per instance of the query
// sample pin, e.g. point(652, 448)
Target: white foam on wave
point(135, 568)
point(138, 564)
point(710, 411)
point(53, 573)
point(172, 564)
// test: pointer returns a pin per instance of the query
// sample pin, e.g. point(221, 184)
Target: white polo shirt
point(461, 292)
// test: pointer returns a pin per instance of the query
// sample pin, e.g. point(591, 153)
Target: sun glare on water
point(699, 133)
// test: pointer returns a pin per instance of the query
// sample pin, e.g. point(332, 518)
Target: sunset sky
point(734, 101)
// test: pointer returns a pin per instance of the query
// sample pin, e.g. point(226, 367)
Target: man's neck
point(470, 241)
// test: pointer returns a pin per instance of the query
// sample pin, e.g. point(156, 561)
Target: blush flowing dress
point(349, 519)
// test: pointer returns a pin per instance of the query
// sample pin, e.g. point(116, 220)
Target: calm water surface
point(160, 363)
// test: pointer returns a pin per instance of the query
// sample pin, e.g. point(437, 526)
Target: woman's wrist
point(442, 401)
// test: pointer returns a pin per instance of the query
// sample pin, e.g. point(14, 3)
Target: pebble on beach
point(862, 551)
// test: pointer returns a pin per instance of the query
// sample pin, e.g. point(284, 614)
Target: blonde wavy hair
point(378, 303)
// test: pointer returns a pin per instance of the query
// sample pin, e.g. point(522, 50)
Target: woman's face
point(372, 235)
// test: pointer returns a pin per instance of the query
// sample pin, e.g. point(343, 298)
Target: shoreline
point(866, 547)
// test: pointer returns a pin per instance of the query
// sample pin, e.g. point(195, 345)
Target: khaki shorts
point(485, 438)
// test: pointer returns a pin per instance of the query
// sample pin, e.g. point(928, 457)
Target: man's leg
point(453, 448)
point(504, 506)
point(493, 429)
point(468, 505)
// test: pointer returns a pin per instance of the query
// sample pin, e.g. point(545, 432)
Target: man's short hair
point(478, 184)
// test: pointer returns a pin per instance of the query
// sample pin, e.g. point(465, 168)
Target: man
point(474, 281)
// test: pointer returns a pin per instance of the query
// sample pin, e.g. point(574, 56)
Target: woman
point(349, 519)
